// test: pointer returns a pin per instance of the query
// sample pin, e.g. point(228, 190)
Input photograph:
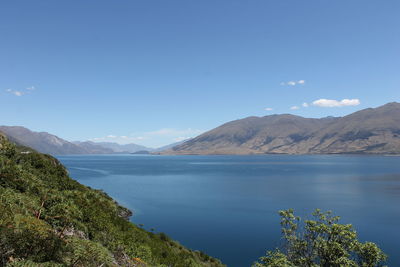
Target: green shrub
point(49, 219)
point(321, 242)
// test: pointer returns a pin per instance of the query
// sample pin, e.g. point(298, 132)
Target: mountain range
point(50, 144)
point(369, 131)
point(112, 147)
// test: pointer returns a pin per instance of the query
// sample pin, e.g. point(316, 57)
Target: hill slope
point(41, 141)
point(53, 145)
point(49, 219)
point(373, 130)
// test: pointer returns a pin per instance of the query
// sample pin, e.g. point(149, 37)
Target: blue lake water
point(227, 206)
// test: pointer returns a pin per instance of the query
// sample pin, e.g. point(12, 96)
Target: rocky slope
point(372, 130)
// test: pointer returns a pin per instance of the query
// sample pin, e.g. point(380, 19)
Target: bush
point(321, 242)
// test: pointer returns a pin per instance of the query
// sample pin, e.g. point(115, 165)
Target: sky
point(155, 72)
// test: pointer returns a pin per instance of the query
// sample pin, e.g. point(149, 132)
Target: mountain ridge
point(368, 131)
point(47, 143)
point(41, 141)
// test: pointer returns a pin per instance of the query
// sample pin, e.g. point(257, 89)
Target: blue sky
point(152, 72)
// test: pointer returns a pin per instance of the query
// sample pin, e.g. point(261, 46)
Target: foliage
point(321, 242)
point(85, 253)
point(49, 219)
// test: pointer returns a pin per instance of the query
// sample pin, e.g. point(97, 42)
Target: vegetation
point(321, 242)
point(49, 219)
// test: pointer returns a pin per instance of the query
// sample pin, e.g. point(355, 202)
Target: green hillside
point(49, 219)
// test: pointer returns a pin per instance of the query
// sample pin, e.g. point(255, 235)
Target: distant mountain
point(371, 131)
point(141, 152)
point(93, 148)
point(127, 148)
point(41, 141)
point(131, 148)
point(51, 144)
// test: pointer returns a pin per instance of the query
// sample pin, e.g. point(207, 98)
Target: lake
point(227, 206)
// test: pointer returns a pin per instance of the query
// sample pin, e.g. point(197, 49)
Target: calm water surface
point(227, 206)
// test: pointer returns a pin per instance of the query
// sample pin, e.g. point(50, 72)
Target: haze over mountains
point(113, 147)
point(372, 131)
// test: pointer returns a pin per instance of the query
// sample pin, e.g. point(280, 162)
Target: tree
point(321, 242)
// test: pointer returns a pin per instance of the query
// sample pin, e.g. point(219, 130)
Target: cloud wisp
point(123, 139)
point(268, 109)
point(294, 107)
point(173, 132)
point(20, 92)
point(15, 92)
point(330, 103)
point(293, 83)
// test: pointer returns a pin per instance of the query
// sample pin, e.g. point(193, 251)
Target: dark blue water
point(227, 206)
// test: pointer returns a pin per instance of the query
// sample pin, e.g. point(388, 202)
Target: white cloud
point(294, 83)
point(14, 92)
point(164, 131)
point(294, 108)
point(174, 132)
point(268, 109)
point(305, 105)
point(123, 139)
point(20, 92)
point(329, 103)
